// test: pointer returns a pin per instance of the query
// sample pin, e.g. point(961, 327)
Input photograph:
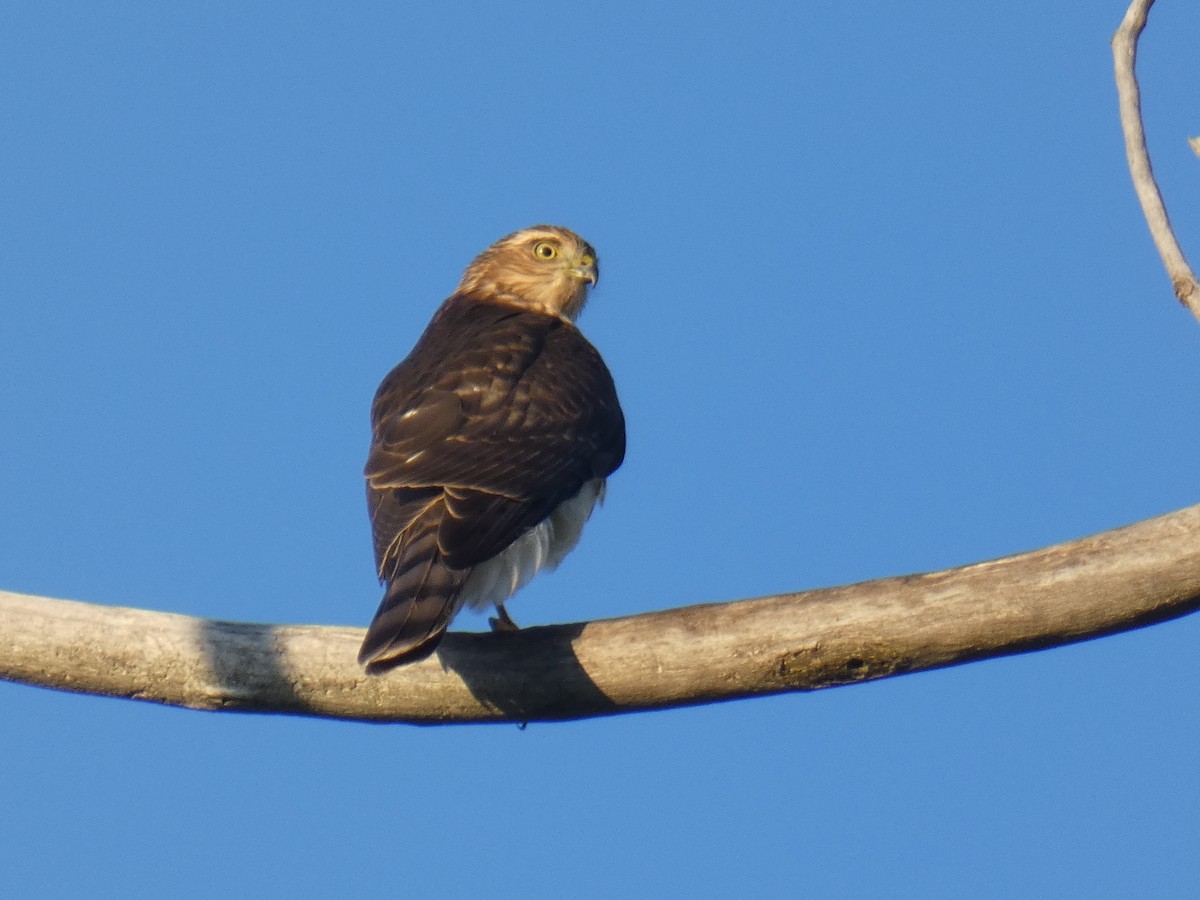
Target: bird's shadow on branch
point(528, 675)
point(245, 664)
point(521, 676)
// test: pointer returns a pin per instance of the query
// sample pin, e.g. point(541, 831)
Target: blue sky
point(877, 297)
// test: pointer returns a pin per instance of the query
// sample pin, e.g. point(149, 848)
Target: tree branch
point(1118, 580)
point(1114, 581)
point(1124, 47)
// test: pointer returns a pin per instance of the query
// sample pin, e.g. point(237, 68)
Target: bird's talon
point(503, 621)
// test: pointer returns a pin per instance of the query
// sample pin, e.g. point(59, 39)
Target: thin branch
point(1115, 581)
point(1124, 47)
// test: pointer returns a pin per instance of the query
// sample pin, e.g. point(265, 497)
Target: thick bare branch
point(1117, 580)
point(1124, 47)
point(1110, 582)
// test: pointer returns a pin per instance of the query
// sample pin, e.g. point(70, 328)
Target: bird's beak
point(588, 271)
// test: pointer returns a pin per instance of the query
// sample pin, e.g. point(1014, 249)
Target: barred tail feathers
point(421, 598)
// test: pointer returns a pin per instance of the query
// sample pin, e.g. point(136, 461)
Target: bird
point(492, 442)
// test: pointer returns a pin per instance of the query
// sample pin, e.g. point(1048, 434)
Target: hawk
point(491, 443)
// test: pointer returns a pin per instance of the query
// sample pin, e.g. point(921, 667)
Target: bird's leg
point(503, 621)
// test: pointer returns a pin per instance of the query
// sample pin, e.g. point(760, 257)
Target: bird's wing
point(494, 419)
point(515, 411)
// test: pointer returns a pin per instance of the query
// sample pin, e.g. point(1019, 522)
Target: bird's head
point(545, 268)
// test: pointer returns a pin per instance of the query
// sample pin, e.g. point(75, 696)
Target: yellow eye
point(545, 250)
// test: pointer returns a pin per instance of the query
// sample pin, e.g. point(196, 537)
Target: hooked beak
point(588, 271)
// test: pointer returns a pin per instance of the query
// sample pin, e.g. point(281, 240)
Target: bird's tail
point(421, 598)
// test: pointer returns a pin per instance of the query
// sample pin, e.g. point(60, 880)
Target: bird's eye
point(545, 250)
